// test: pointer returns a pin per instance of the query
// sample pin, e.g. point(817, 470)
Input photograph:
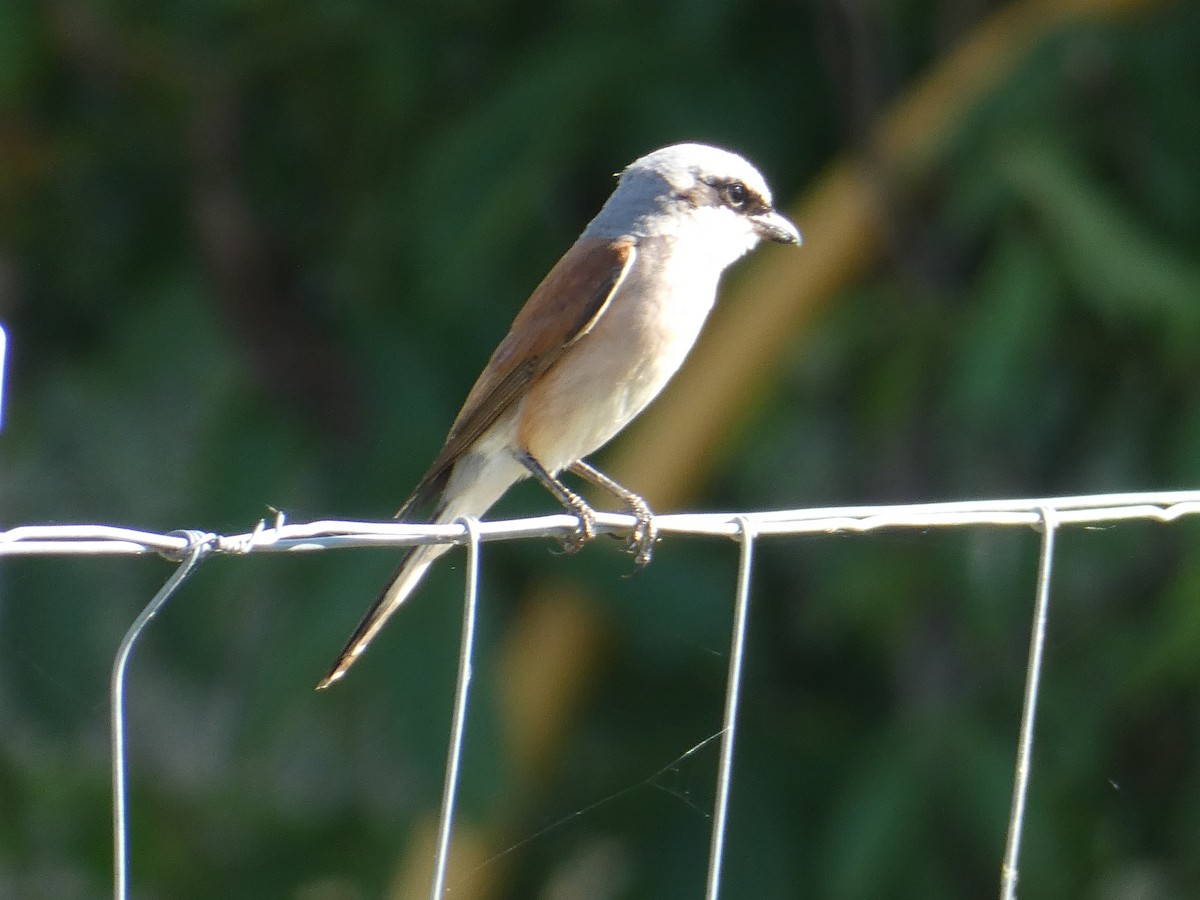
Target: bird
point(594, 344)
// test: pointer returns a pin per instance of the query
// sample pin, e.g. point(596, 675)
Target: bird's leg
point(644, 534)
point(568, 498)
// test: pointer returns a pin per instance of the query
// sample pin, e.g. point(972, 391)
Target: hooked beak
point(772, 226)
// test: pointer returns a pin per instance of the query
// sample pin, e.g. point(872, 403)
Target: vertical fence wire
point(199, 545)
point(1033, 677)
point(3, 367)
point(733, 692)
point(459, 719)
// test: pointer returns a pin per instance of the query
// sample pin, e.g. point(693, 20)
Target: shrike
point(594, 344)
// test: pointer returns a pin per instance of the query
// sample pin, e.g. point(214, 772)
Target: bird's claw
point(642, 538)
point(584, 531)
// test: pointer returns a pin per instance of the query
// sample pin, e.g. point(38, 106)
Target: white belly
point(611, 374)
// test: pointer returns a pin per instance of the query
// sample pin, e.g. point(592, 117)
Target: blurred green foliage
point(254, 254)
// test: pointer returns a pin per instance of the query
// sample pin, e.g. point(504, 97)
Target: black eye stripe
point(737, 196)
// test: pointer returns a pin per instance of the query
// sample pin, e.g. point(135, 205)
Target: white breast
point(612, 373)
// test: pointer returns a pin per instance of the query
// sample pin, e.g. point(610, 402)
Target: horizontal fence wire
point(189, 547)
point(279, 537)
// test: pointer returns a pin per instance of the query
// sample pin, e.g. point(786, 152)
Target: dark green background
point(254, 254)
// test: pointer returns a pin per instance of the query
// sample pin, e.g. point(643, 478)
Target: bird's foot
point(584, 531)
point(643, 536)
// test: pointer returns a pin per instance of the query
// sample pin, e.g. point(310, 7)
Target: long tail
point(476, 484)
point(403, 582)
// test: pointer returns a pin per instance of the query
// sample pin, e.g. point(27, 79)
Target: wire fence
point(189, 548)
point(3, 368)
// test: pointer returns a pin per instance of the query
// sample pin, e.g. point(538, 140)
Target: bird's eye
point(735, 195)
